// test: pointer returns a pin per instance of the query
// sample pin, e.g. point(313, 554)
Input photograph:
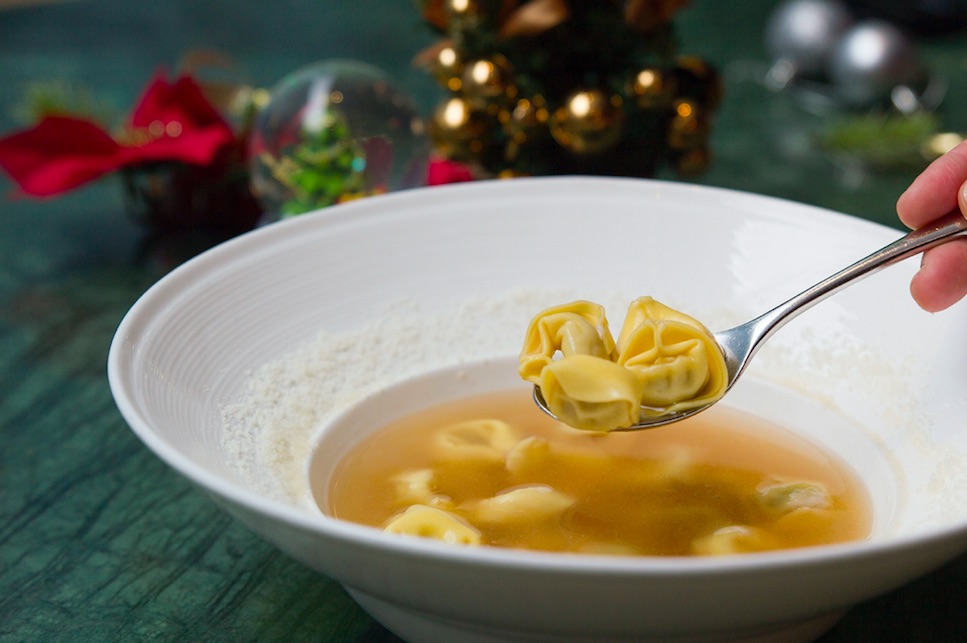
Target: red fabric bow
point(172, 122)
point(441, 171)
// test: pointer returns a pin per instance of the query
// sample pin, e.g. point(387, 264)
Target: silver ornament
point(870, 61)
point(799, 36)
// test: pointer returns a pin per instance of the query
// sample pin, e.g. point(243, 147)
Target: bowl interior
point(232, 367)
point(835, 435)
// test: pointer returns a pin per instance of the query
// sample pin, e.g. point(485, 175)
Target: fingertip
point(937, 190)
point(924, 296)
point(906, 206)
point(942, 279)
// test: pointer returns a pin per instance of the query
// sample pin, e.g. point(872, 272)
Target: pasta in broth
point(663, 362)
point(496, 471)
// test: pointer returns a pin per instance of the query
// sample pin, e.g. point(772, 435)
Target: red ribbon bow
point(172, 122)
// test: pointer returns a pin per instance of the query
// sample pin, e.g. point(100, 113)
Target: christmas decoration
point(174, 137)
point(589, 121)
point(872, 59)
point(799, 36)
point(442, 172)
point(333, 131)
point(539, 87)
point(832, 60)
point(863, 76)
point(887, 141)
point(189, 156)
point(173, 122)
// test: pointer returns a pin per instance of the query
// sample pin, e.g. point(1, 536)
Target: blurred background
point(836, 104)
point(789, 142)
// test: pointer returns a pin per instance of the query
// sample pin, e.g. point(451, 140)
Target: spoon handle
point(758, 330)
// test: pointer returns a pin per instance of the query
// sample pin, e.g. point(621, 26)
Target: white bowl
point(233, 367)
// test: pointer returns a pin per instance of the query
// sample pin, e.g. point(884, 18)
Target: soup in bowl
point(475, 462)
point(257, 369)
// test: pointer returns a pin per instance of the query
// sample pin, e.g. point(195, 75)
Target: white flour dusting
point(269, 432)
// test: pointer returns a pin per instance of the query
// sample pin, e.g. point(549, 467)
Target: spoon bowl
point(740, 344)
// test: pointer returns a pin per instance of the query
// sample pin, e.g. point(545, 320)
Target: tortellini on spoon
point(663, 362)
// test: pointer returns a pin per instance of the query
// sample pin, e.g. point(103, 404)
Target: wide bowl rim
point(303, 518)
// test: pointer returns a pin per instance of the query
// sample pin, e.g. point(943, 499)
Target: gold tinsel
point(653, 105)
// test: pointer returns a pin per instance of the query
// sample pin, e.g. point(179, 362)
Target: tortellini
point(416, 486)
point(783, 497)
point(734, 539)
point(590, 393)
point(663, 362)
point(509, 481)
point(530, 453)
point(577, 328)
point(487, 442)
point(676, 359)
point(527, 503)
point(430, 522)
point(786, 506)
point(483, 439)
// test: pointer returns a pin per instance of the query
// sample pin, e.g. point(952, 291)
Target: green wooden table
point(101, 542)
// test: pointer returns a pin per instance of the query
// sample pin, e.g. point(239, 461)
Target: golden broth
point(721, 482)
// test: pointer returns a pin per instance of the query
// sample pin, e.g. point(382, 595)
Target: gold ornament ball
point(689, 127)
point(459, 129)
point(693, 162)
point(447, 67)
point(698, 79)
point(489, 81)
point(462, 15)
point(589, 122)
point(652, 88)
point(527, 120)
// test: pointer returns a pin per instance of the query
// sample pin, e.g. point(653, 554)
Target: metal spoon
point(741, 343)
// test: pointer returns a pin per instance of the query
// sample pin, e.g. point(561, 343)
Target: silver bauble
point(800, 34)
point(870, 61)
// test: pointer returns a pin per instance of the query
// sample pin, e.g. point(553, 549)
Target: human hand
point(942, 187)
